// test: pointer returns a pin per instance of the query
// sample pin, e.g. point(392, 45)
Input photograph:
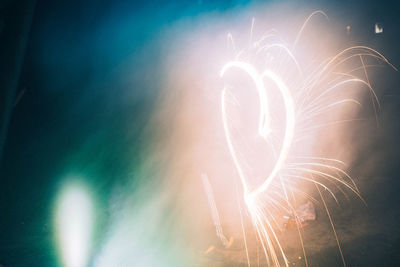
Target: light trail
point(306, 95)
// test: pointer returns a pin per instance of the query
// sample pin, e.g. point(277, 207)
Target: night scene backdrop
point(118, 100)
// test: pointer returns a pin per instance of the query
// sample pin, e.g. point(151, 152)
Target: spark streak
point(305, 96)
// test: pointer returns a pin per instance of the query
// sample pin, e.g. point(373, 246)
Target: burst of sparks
point(303, 100)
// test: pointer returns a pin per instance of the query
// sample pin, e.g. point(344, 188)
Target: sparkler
point(306, 94)
point(214, 210)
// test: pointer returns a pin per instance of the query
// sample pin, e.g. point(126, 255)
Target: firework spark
point(272, 68)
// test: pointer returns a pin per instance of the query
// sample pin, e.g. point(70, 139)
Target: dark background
point(75, 96)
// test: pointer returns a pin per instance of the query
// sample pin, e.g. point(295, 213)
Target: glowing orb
point(73, 224)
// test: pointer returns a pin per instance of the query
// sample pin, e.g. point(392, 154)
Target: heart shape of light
point(264, 125)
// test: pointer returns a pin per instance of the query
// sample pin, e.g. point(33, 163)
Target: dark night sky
point(86, 97)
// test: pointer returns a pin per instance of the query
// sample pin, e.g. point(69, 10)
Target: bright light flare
point(74, 224)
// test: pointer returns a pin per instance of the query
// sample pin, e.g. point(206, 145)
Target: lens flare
point(74, 224)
